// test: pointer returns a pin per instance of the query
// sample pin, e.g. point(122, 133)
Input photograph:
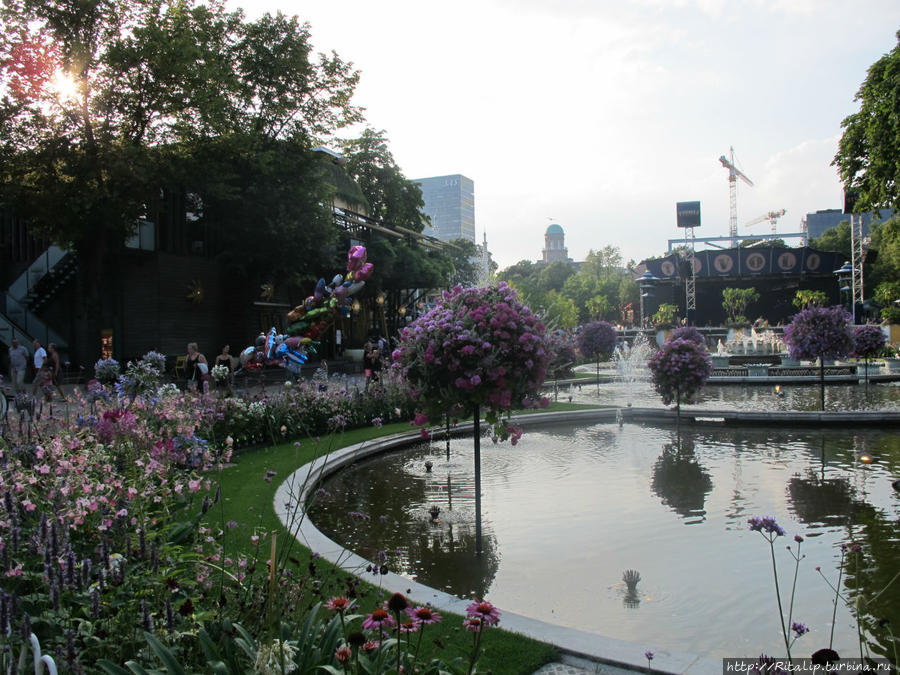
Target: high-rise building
point(821, 221)
point(555, 245)
point(450, 203)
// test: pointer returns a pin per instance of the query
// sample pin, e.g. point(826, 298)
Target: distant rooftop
point(555, 229)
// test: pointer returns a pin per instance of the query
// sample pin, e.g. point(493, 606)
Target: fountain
point(631, 363)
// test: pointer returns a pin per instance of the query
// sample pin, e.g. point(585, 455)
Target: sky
point(601, 115)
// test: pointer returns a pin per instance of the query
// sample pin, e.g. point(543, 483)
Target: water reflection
point(570, 508)
point(799, 397)
point(680, 481)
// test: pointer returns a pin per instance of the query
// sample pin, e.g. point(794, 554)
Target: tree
point(806, 298)
point(868, 341)
point(597, 341)
point(819, 333)
point(392, 197)
point(868, 157)
point(835, 239)
point(179, 96)
point(465, 256)
point(553, 276)
point(679, 370)
point(735, 302)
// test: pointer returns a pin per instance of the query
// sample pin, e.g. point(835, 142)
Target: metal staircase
point(34, 288)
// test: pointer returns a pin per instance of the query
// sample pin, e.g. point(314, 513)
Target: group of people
point(197, 368)
point(46, 364)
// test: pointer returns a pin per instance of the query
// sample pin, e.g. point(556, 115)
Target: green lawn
point(247, 499)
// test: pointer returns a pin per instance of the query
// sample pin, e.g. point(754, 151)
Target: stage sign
point(688, 214)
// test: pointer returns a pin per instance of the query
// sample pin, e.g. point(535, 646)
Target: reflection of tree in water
point(680, 481)
point(838, 502)
point(395, 498)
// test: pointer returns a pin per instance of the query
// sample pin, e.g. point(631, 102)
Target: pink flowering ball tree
point(477, 347)
point(820, 333)
point(679, 370)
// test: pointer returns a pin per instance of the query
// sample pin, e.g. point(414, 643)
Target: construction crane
point(733, 174)
point(771, 216)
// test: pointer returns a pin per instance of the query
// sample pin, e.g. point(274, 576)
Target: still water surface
point(569, 509)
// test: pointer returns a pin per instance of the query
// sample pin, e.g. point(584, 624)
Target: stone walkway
point(574, 665)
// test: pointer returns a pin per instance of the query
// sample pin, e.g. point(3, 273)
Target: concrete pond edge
point(293, 494)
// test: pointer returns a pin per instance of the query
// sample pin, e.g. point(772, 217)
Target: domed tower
point(555, 245)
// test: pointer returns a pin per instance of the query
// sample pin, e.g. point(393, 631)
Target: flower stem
point(784, 634)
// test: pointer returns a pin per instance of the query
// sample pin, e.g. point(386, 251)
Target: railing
point(36, 271)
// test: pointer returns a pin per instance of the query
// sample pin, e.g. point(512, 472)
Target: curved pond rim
point(293, 494)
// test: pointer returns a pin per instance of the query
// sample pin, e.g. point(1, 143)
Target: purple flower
point(379, 619)
point(868, 340)
point(766, 525)
point(799, 628)
point(648, 655)
point(485, 611)
point(819, 332)
point(597, 340)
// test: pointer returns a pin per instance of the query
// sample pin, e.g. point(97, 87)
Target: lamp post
point(645, 286)
point(844, 275)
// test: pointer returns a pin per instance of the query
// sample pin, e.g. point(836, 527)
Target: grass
point(247, 499)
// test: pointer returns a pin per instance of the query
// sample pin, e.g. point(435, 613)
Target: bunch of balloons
point(311, 318)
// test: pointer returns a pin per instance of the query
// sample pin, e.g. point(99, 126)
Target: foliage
point(393, 198)
point(806, 298)
point(689, 333)
point(868, 340)
point(868, 158)
point(597, 290)
point(478, 346)
point(886, 241)
point(819, 332)
point(836, 239)
point(227, 142)
point(736, 300)
point(563, 356)
point(679, 370)
point(465, 256)
point(887, 293)
point(596, 340)
point(891, 314)
point(665, 314)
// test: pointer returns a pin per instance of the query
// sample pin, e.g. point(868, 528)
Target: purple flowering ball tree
point(689, 333)
point(679, 370)
point(868, 341)
point(597, 341)
point(479, 348)
point(820, 333)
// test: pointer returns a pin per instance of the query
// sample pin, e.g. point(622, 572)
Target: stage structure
point(688, 216)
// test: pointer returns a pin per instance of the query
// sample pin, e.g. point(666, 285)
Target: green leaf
point(165, 655)
point(111, 668)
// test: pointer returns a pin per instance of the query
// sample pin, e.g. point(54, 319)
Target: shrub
point(819, 332)
point(868, 341)
point(689, 333)
point(679, 370)
point(597, 340)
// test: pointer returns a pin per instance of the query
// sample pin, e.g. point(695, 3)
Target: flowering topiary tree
point(689, 333)
point(597, 341)
point(679, 370)
point(478, 348)
point(868, 341)
point(819, 333)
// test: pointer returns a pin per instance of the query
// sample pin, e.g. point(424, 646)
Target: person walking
point(18, 364)
point(53, 361)
point(40, 354)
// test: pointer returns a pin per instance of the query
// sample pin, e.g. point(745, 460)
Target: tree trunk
point(476, 428)
point(822, 382)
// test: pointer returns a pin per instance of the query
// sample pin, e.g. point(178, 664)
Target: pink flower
point(420, 420)
point(378, 619)
point(343, 654)
point(339, 604)
point(424, 614)
point(485, 611)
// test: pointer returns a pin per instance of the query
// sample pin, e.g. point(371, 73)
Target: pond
point(569, 509)
point(799, 397)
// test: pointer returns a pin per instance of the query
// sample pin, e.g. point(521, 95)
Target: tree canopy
point(107, 103)
point(868, 157)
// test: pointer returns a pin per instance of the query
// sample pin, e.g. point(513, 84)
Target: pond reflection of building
point(680, 480)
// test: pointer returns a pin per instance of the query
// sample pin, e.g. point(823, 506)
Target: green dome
point(555, 229)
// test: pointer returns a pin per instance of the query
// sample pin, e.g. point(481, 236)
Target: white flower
point(269, 658)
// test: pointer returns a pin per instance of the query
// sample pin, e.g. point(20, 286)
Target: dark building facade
point(776, 274)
